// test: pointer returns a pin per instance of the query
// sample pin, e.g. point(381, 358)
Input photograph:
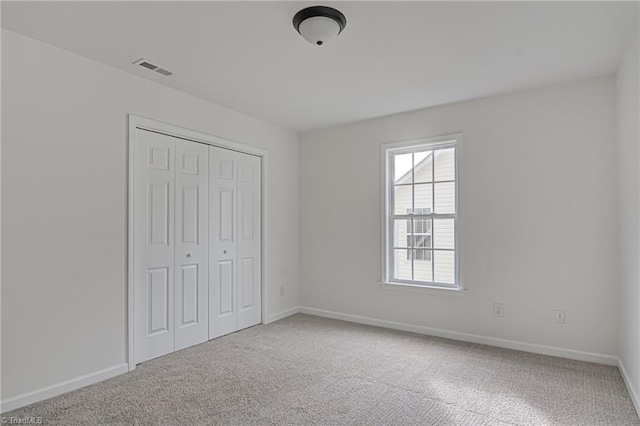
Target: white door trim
point(138, 122)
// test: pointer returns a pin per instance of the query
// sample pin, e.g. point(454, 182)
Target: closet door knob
point(224, 252)
point(188, 254)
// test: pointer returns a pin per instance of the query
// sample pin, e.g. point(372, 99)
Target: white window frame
point(387, 152)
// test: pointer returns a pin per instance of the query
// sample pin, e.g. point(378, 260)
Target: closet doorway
point(195, 238)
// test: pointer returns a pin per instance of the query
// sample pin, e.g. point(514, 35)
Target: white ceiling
point(392, 56)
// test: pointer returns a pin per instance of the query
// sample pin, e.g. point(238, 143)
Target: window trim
point(400, 147)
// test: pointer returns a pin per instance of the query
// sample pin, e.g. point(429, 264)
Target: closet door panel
point(153, 238)
point(223, 288)
point(192, 248)
point(249, 240)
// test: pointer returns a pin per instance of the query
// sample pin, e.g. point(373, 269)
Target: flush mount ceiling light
point(319, 24)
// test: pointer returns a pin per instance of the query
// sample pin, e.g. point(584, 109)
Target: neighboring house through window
point(419, 235)
point(421, 213)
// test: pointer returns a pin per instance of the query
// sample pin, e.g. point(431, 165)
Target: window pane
point(402, 168)
point(402, 199)
point(423, 197)
point(445, 197)
point(444, 266)
point(422, 265)
point(421, 255)
point(421, 210)
point(421, 241)
point(421, 226)
point(445, 164)
point(402, 264)
point(400, 229)
point(422, 166)
point(443, 233)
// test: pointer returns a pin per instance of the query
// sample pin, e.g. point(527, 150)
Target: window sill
point(423, 288)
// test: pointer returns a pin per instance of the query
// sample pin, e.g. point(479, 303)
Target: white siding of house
point(443, 229)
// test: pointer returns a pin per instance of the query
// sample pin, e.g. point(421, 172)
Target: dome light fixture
point(319, 24)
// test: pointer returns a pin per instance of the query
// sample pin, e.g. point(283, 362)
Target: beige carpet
point(310, 370)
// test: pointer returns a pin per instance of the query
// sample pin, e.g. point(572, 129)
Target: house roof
point(405, 177)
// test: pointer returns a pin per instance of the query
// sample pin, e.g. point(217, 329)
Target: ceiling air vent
point(153, 67)
point(163, 72)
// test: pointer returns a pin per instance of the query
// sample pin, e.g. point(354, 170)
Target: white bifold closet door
point(170, 240)
point(234, 241)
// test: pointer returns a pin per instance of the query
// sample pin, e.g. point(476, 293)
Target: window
point(421, 213)
point(419, 235)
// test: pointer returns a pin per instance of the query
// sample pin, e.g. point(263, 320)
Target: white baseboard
point(466, 337)
point(627, 381)
point(60, 388)
point(283, 314)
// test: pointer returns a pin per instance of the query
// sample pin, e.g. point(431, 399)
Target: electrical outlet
point(560, 318)
point(281, 290)
point(498, 310)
